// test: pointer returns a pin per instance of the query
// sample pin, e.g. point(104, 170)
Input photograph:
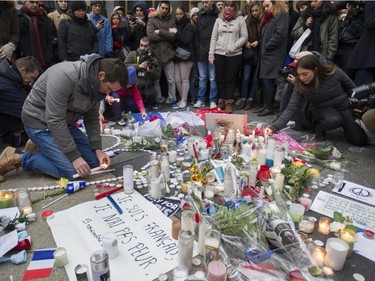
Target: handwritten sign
point(362, 215)
point(143, 232)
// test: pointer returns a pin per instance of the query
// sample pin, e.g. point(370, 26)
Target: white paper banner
point(356, 191)
point(143, 232)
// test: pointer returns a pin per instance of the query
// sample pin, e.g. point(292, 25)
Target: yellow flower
point(63, 183)
point(297, 164)
point(314, 172)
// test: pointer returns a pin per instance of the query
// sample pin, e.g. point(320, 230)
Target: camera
point(284, 72)
point(362, 97)
point(150, 61)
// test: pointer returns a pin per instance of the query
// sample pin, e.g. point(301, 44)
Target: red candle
point(369, 233)
point(217, 271)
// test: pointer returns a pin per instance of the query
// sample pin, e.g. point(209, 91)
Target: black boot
point(259, 109)
point(265, 112)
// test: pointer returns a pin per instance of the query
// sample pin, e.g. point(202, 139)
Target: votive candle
point(109, 244)
point(61, 257)
point(279, 182)
point(324, 225)
point(204, 225)
point(6, 199)
point(185, 249)
point(217, 271)
point(318, 255)
point(337, 251)
point(349, 236)
point(211, 246)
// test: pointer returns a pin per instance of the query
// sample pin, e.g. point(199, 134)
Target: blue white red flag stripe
point(41, 265)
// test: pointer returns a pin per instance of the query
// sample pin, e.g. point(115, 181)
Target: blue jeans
point(51, 160)
point(206, 70)
point(249, 80)
point(126, 104)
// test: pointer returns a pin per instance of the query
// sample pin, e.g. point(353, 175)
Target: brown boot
point(241, 104)
point(228, 107)
point(30, 147)
point(9, 160)
point(221, 104)
point(248, 105)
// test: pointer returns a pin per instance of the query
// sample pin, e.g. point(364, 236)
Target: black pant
point(328, 118)
point(9, 124)
point(226, 75)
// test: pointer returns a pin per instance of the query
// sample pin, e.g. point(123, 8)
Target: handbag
point(182, 53)
point(298, 44)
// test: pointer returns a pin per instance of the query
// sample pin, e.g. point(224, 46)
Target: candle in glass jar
point(217, 271)
point(307, 224)
point(349, 236)
point(318, 255)
point(6, 199)
point(337, 251)
point(109, 244)
point(155, 188)
point(328, 272)
point(324, 225)
point(187, 221)
point(185, 249)
point(279, 182)
point(61, 257)
point(262, 157)
point(305, 202)
point(211, 246)
point(204, 225)
point(172, 156)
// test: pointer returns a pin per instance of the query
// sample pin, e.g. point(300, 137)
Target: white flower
point(336, 226)
point(335, 166)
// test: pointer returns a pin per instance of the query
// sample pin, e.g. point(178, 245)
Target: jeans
point(169, 74)
point(193, 91)
point(126, 104)
point(249, 80)
point(51, 160)
point(206, 71)
point(364, 76)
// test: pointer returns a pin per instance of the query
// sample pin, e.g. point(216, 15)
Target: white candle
point(318, 255)
point(204, 225)
point(172, 156)
point(349, 236)
point(337, 251)
point(27, 210)
point(61, 257)
point(154, 169)
point(279, 182)
point(279, 156)
point(109, 244)
point(204, 154)
point(262, 157)
point(324, 225)
point(155, 189)
point(107, 131)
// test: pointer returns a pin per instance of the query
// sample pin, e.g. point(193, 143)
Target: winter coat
point(363, 55)
point(350, 31)
point(104, 35)
point(56, 17)
point(9, 29)
point(144, 79)
point(47, 31)
point(162, 44)
point(205, 24)
point(139, 31)
point(62, 95)
point(273, 46)
point(76, 39)
point(328, 35)
point(185, 37)
point(228, 38)
point(333, 92)
point(12, 95)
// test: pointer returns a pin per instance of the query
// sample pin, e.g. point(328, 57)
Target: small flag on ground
point(41, 265)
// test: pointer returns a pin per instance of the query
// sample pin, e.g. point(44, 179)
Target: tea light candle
point(328, 272)
point(349, 236)
point(307, 224)
point(337, 251)
point(318, 255)
point(27, 210)
point(217, 271)
point(368, 233)
point(6, 199)
point(107, 131)
point(324, 225)
point(109, 244)
point(61, 257)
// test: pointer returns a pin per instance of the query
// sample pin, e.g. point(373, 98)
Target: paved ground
point(360, 163)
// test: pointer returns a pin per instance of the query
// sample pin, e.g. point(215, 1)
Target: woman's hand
point(309, 21)
point(268, 131)
point(173, 30)
point(211, 60)
point(144, 115)
point(254, 44)
point(291, 79)
point(109, 99)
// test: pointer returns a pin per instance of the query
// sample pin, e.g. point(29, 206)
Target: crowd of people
point(284, 55)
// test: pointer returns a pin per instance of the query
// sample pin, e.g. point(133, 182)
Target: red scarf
point(267, 19)
point(228, 16)
point(36, 46)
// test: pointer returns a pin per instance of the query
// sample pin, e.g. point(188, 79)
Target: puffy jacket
point(185, 36)
point(162, 44)
point(63, 94)
point(76, 39)
point(228, 37)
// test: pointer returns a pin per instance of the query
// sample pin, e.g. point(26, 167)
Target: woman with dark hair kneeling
point(326, 87)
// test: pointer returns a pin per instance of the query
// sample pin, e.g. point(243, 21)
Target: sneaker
point(213, 104)
point(199, 104)
point(182, 104)
point(121, 122)
point(168, 101)
point(174, 105)
point(162, 100)
point(156, 105)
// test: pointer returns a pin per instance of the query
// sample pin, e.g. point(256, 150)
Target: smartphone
point(101, 22)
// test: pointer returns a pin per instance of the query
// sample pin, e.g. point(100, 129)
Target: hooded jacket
point(139, 31)
point(162, 44)
point(11, 92)
point(60, 96)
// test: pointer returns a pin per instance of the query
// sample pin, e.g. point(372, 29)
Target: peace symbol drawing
point(361, 192)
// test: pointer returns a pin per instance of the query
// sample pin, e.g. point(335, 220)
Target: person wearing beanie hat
point(193, 11)
point(127, 99)
point(92, 3)
point(138, 23)
point(76, 5)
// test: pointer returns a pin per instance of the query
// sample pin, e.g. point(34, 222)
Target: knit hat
point(76, 5)
point(194, 10)
point(132, 76)
point(92, 3)
point(151, 10)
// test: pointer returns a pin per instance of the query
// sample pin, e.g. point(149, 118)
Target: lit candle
point(27, 210)
point(337, 251)
point(328, 272)
point(109, 244)
point(261, 139)
point(107, 131)
point(6, 199)
point(217, 271)
point(61, 257)
point(307, 224)
point(349, 236)
point(318, 255)
point(324, 225)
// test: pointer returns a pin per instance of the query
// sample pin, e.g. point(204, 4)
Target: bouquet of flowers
point(178, 130)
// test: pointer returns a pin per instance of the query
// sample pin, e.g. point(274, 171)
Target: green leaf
point(338, 217)
point(352, 227)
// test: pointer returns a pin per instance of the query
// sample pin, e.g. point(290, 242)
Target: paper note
point(356, 191)
point(8, 242)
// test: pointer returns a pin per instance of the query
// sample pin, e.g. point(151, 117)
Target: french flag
point(41, 265)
